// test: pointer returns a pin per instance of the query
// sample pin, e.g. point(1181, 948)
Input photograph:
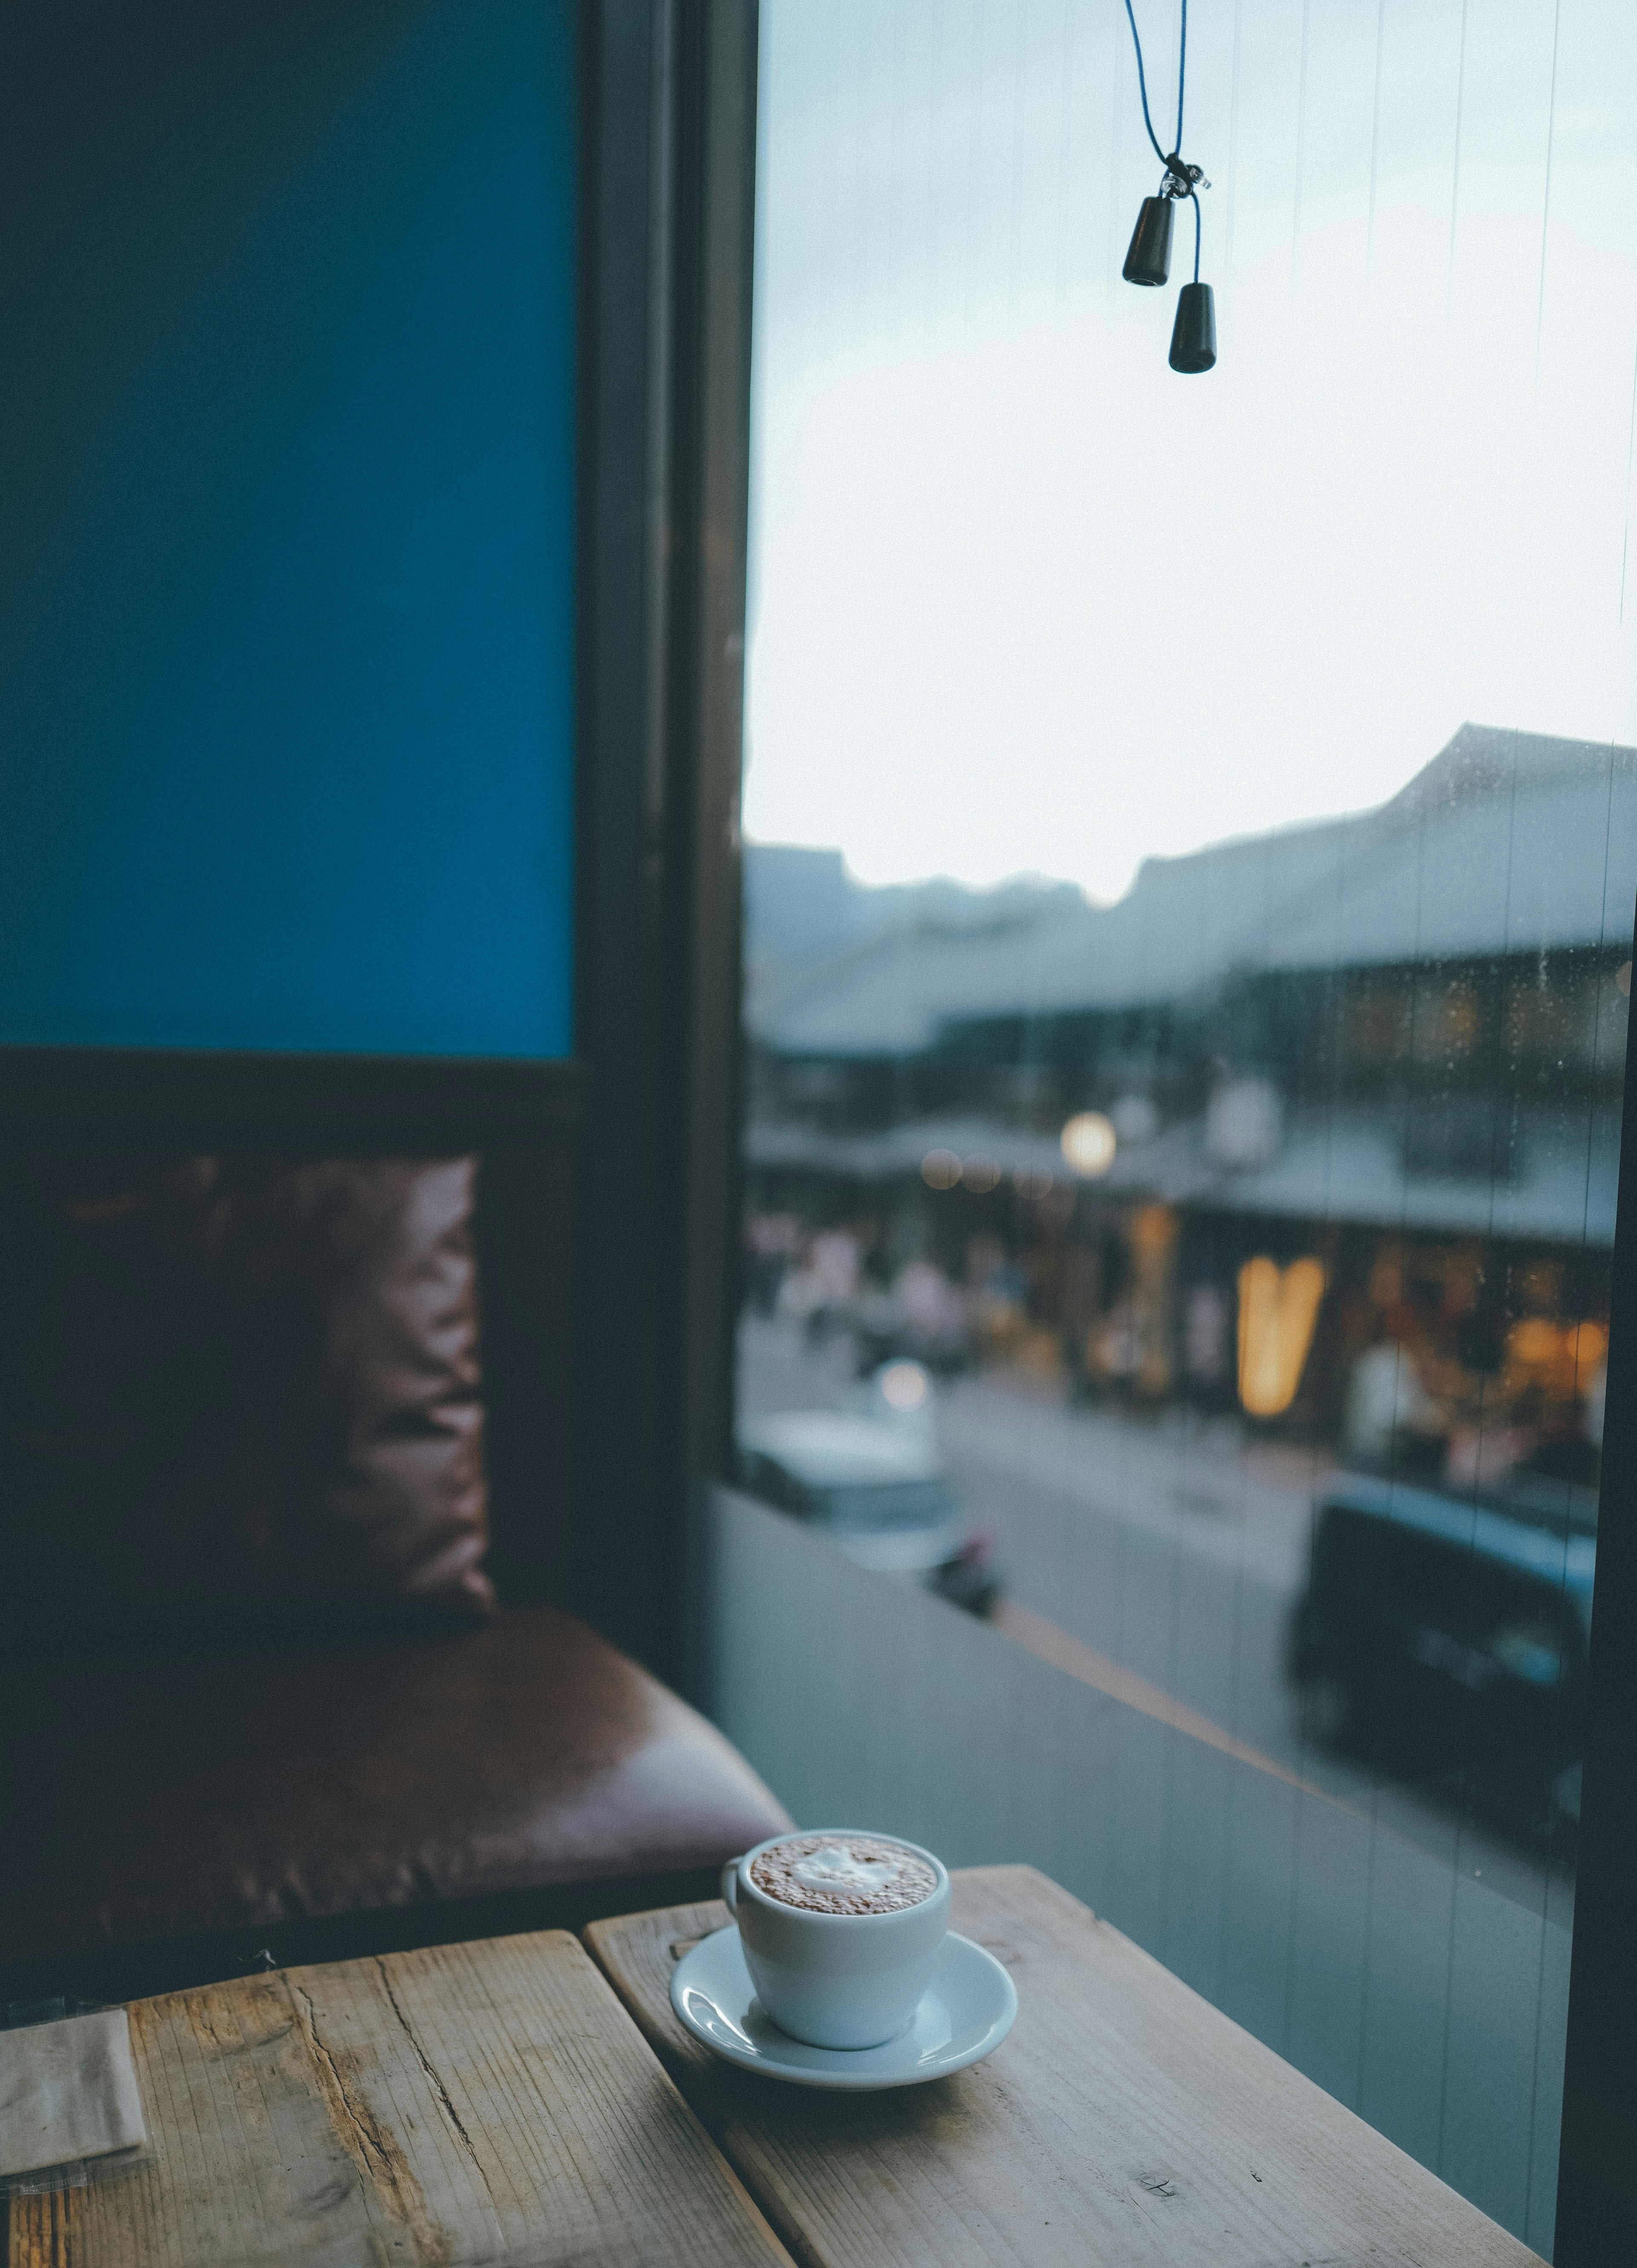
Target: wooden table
point(1124, 2123)
point(493, 2102)
point(484, 2102)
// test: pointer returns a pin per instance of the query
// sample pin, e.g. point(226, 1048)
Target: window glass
point(1191, 858)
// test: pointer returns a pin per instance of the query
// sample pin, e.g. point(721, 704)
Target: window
point(1192, 869)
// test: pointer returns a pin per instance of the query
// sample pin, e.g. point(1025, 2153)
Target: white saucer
point(966, 2011)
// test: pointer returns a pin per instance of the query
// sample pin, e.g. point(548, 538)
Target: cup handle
point(730, 1885)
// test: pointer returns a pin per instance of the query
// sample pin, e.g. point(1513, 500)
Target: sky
point(1024, 601)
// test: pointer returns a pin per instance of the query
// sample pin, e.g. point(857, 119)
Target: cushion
point(156, 1794)
point(242, 1391)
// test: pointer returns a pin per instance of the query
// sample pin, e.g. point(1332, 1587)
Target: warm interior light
point(1278, 1309)
point(1089, 1144)
point(1534, 1340)
point(941, 1169)
point(981, 1173)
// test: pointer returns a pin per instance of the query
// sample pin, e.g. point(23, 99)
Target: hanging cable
point(1194, 340)
point(1142, 84)
point(1182, 70)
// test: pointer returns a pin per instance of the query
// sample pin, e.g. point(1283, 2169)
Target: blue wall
point(286, 460)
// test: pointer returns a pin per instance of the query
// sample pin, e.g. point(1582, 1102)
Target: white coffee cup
point(838, 1980)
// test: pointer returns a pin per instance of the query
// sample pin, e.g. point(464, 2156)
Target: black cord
point(1181, 72)
point(1142, 86)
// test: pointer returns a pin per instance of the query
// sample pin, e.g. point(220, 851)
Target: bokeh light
point(903, 1385)
point(1089, 1143)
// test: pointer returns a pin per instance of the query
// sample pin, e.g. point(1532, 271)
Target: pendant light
point(1193, 334)
point(1149, 259)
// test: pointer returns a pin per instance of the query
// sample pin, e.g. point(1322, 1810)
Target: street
point(1173, 1547)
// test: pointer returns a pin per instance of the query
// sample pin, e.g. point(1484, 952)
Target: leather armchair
point(298, 1743)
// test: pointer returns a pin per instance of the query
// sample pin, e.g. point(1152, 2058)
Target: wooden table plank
point(490, 2101)
point(1124, 2121)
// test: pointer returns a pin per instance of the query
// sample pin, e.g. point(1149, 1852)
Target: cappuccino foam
point(842, 1875)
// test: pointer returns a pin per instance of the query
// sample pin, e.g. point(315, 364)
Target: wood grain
point(484, 2102)
point(1124, 2123)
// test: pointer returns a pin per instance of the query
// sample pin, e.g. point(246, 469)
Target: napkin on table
point(68, 2090)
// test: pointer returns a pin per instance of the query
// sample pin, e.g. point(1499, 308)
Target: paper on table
point(68, 2090)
